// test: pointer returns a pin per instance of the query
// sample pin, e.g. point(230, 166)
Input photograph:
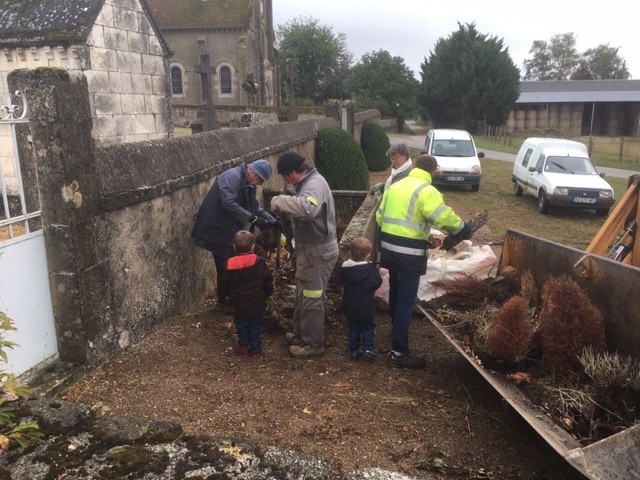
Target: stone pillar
point(64, 156)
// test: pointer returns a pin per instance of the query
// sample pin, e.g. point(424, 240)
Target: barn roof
point(570, 91)
point(201, 14)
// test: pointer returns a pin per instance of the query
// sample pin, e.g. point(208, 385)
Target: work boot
point(405, 361)
point(306, 351)
point(293, 339)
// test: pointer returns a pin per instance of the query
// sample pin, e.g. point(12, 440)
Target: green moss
point(61, 73)
point(134, 458)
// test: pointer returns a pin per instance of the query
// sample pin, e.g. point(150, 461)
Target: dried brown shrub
point(465, 292)
point(528, 289)
point(510, 338)
point(569, 322)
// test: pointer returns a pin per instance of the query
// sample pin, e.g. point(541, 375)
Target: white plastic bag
point(465, 259)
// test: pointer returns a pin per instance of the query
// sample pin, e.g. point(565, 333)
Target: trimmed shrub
point(340, 160)
point(569, 322)
point(375, 143)
point(512, 335)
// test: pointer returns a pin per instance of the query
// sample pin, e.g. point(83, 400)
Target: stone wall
point(117, 218)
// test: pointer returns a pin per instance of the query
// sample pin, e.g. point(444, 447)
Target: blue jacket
point(360, 280)
point(225, 210)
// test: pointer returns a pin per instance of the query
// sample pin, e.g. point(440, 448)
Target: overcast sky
point(410, 28)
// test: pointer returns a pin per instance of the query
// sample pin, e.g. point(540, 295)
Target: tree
point(601, 63)
point(384, 82)
point(468, 78)
point(320, 57)
point(558, 59)
point(555, 60)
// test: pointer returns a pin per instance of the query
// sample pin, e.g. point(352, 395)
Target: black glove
point(466, 232)
point(450, 241)
point(261, 223)
point(276, 225)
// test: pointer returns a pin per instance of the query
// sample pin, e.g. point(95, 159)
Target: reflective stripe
point(436, 212)
point(420, 252)
point(312, 200)
point(312, 293)
point(406, 222)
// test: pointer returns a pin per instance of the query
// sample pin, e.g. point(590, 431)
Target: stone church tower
point(223, 49)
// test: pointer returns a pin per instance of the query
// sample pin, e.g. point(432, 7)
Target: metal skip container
point(613, 287)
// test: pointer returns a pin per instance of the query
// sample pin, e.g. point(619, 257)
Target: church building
point(222, 52)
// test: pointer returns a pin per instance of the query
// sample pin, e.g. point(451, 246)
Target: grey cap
point(262, 168)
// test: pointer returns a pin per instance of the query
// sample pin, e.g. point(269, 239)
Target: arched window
point(225, 80)
point(176, 80)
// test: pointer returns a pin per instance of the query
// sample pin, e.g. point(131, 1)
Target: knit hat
point(288, 162)
point(261, 168)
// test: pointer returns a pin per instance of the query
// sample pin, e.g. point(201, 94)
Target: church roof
point(38, 22)
point(201, 14)
point(570, 91)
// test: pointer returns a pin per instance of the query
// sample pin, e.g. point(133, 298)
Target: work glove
point(270, 301)
point(450, 241)
point(466, 232)
point(276, 225)
point(377, 188)
point(261, 223)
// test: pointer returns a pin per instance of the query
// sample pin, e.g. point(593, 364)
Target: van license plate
point(455, 179)
point(584, 200)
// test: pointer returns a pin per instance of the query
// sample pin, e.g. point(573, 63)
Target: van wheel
point(543, 203)
point(517, 189)
point(475, 188)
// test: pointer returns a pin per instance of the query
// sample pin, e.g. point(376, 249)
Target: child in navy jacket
point(360, 278)
point(250, 285)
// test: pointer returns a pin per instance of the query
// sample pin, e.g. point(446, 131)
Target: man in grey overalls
point(313, 215)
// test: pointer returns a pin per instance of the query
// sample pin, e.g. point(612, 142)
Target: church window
point(176, 80)
point(225, 80)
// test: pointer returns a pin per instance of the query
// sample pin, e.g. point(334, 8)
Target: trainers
point(257, 354)
point(354, 355)
point(406, 361)
point(370, 355)
point(241, 351)
point(306, 351)
point(293, 339)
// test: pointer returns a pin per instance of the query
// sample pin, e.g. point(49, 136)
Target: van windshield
point(570, 165)
point(453, 148)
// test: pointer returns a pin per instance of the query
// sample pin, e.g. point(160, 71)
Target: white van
point(458, 159)
point(558, 172)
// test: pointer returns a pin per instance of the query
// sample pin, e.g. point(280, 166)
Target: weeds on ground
point(20, 432)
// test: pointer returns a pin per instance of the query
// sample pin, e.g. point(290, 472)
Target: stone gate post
point(64, 154)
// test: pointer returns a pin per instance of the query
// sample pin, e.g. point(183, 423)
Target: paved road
point(417, 141)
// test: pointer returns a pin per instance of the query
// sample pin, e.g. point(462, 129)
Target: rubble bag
point(465, 259)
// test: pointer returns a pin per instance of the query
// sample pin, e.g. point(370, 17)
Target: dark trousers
point(249, 331)
point(403, 292)
point(361, 333)
point(221, 272)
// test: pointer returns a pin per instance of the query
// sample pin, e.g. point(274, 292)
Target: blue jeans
point(249, 331)
point(361, 334)
point(403, 292)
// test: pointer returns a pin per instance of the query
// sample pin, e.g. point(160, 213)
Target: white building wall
point(126, 71)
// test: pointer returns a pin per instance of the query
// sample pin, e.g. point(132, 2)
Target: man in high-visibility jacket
point(407, 211)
